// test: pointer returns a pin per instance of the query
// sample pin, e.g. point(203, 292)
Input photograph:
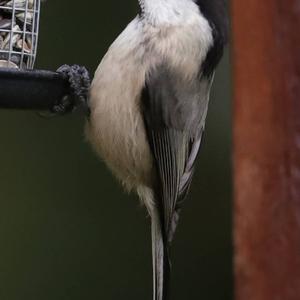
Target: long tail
point(161, 261)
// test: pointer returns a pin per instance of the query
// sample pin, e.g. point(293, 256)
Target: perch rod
point(39, 89)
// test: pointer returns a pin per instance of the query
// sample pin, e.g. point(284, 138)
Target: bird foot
point(79, 84)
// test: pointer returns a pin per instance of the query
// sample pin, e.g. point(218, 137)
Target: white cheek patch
point(162, 12)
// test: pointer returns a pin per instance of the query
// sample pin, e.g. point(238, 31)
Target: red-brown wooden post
point(266, 66)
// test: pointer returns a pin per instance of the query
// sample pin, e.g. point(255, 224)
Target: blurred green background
point(67, 230)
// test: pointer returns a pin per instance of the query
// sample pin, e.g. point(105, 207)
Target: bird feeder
point(22, 87)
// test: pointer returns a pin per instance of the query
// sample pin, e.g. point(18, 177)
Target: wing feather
point(174, 114)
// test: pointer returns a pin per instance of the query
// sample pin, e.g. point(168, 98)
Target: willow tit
point(148, 104)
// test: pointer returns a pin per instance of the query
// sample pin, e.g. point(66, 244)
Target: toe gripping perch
point(58, 92)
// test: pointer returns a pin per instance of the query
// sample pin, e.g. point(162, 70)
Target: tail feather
point(160, 246)
point(161, 262)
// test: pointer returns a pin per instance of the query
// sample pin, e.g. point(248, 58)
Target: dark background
point(67, 230)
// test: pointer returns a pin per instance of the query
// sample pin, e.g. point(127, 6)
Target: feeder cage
point(19, 24)
point(21, 87)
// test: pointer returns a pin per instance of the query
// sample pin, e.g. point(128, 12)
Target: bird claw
point(65, 106)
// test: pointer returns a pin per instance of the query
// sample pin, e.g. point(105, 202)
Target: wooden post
point(266, 66)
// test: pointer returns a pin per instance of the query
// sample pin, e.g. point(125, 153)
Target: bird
point(148, 104)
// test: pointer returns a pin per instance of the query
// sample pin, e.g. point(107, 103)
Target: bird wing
point(174, 111)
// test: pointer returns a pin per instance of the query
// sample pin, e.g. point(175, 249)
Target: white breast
point(116, 128)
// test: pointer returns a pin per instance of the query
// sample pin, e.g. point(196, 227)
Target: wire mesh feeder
point(24, 88)
point(19, 24)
